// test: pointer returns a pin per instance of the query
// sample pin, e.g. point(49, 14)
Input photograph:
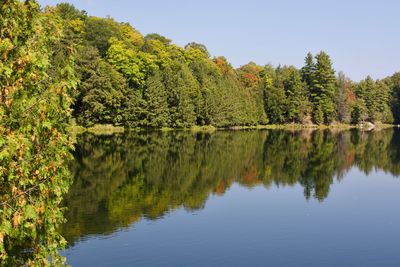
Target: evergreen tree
point(155, 97)
point(359, 112)
point(382, 97)
point(102, 90)
point(318, 114)
point(394, 84)
point(307, 72)
point(295, 91)
point(210, 106)
point(135, 111)
point(376, 96)
point(180, 86)
point(323, 88)
point(274, 96)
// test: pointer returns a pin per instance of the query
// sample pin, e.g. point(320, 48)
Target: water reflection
point(121, 179)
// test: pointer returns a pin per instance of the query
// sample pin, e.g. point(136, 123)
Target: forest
point(60, 67)
point(148, 81)
point(127, 79)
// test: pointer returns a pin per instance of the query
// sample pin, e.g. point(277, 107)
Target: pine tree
point(211, 105)
point(376, 96)
point(307, 72)
point(359, 112)
point(394, 84)
point(101, 95)
point(155, 96)
point(297, 102)
point(135, 110)
point(318, 114)
point(382, 97)
point(323, 88)
point(180, 86)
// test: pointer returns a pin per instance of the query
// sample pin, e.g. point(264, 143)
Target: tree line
point(129, 79)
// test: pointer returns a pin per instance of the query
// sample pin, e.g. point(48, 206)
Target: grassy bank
point(104, 129)
point(98, 129)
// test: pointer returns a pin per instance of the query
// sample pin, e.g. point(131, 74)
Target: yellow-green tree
point(34, 110)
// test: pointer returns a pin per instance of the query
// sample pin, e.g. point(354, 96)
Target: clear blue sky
point(362, 36)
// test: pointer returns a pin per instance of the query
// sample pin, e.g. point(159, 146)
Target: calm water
point(255, 198)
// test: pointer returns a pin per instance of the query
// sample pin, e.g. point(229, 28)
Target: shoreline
point(108, 129)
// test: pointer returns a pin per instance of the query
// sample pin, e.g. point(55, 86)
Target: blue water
point(356, 224)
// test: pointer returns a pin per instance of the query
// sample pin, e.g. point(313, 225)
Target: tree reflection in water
point(123, 178)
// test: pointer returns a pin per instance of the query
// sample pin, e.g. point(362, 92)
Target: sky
point(361, 36)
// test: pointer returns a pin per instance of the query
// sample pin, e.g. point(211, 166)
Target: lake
point(235, 198)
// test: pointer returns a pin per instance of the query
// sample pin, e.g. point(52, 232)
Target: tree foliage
point(35, 90)
point(123, 78)
point(203, 90)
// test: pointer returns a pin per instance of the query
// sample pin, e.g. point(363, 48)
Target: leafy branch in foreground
point(35, 89)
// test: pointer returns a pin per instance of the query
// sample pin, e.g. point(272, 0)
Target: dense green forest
point(58, 65)
point(125, 78)
point(147, 81)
